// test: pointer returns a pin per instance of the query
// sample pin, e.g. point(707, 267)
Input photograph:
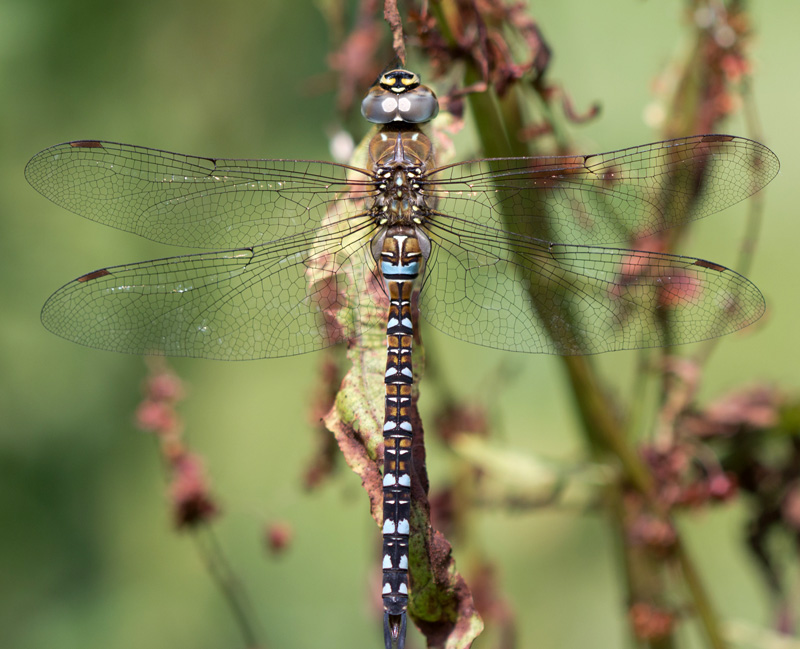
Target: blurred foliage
point(88, 556)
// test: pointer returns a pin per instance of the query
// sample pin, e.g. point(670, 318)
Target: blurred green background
point(88, 557)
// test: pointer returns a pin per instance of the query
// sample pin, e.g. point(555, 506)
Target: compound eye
point(422, 105)
point(379, 106)
point(410, 106)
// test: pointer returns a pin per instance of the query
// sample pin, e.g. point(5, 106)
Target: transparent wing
point(487, 280)
point(193, 201)
point(608, 197)
point(281, 299)
point(515, 293)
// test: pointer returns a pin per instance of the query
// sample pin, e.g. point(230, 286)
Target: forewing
point(193, 201)
point(603, 198)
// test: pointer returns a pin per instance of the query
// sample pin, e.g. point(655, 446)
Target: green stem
point(602, 423)
point(702, 603)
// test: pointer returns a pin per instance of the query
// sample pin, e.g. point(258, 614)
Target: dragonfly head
point(398, 96)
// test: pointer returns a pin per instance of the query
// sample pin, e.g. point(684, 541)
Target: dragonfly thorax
point(400, 200)
point(400, 156)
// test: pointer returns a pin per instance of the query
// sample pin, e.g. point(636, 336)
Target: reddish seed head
point(679, 289)
point(191, 499)
point(654, 533)
point(156, 417)
point(734, 67)
point(722, 486)
point(164, 387)
point(279, 536)
point(650, 623)
point(694, 494)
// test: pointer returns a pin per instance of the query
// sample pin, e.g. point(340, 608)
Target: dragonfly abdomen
point(401, 260)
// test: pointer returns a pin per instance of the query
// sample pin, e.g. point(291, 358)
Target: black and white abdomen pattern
point(400, 263)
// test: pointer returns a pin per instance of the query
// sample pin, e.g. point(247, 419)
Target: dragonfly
point(509, 253)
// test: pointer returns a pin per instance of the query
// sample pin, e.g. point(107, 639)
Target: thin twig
point(235, 596)
point(392, 16)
